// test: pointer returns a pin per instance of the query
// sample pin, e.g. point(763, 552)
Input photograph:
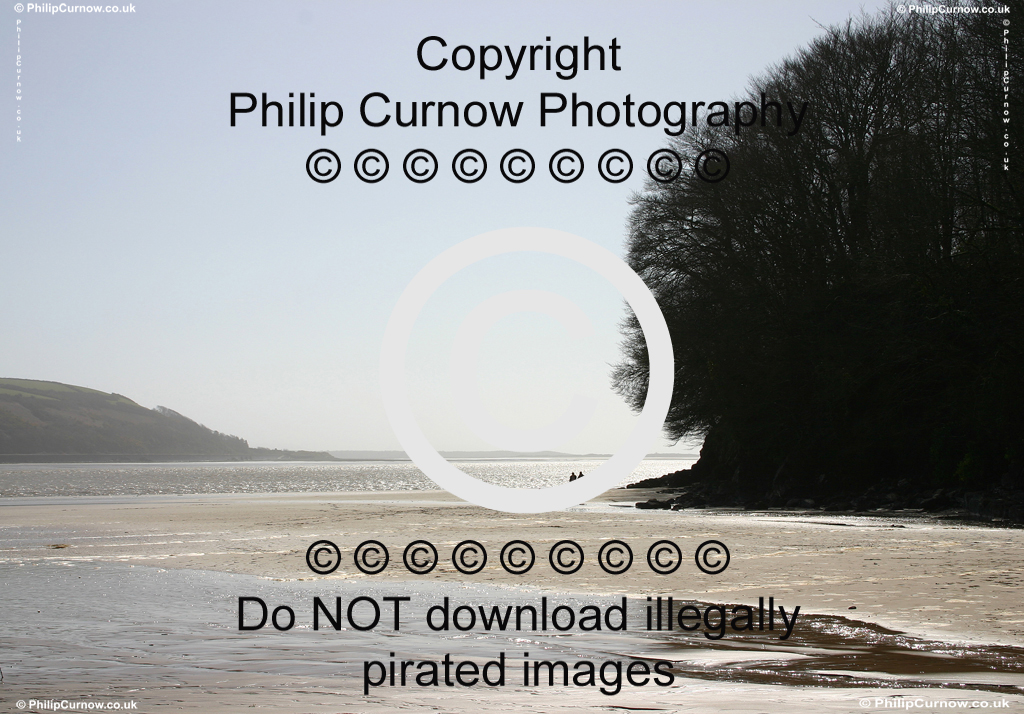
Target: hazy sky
point(150, 249)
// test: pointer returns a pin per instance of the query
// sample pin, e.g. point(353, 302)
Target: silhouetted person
point(573, 477)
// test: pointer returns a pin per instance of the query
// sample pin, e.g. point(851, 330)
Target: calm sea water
point(288, 477)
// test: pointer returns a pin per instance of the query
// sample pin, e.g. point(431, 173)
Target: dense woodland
point(847, 306)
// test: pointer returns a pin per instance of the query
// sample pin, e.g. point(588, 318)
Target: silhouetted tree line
point(847, 306)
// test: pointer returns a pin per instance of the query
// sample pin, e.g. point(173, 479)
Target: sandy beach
point(929, 581)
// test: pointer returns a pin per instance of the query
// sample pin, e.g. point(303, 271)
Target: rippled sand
point(135, 598)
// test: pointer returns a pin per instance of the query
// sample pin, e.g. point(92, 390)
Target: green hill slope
point(49, 421)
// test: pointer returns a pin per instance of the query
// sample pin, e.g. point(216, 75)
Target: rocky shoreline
point(684, 489)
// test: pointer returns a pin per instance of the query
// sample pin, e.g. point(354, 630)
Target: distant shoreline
point(317, 456)
point(492, 455)
point(13, 459)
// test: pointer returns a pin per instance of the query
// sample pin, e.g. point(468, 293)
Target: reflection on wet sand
point(839, 652)
point(142, 604)
point(163, 637)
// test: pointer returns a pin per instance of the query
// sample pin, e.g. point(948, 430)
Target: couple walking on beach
point(574, 476)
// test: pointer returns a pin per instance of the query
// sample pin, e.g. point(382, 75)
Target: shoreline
point(698, 487)
point(951, 582)
point(136, 598)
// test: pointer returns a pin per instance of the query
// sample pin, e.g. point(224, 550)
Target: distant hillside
point(49, 421)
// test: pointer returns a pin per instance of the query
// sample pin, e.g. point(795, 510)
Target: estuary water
point(144, 479)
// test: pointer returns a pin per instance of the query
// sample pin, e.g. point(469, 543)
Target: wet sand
point(935, 604)
point(923, 577)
